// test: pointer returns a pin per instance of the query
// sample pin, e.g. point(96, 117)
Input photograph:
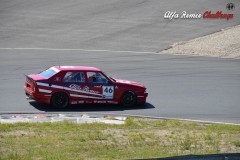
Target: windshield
point(112, 79)
point(48, 73)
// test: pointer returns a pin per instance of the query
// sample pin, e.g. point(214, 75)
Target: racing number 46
point(108, 92)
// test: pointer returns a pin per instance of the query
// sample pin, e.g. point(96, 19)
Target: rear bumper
point(39, 97)
point(29, 96)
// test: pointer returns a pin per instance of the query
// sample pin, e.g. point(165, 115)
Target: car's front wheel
point(59, 100)
point(128, 99)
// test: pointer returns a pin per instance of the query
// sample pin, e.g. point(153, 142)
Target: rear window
point(48, 73)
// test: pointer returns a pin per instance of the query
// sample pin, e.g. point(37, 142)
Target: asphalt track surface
point(125, 39)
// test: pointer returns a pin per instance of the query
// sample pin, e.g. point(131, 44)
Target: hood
point(36, 77)
point(122, 81)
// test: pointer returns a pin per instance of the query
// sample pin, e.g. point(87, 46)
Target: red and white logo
point(206, 15)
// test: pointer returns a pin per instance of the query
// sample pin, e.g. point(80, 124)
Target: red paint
point(217, 15)
point(42, 89)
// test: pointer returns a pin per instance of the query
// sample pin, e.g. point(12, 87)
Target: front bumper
point(141, 98)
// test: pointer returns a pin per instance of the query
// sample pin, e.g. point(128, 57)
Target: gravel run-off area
point(224, 44)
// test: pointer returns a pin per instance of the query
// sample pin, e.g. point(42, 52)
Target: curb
point(75, 118)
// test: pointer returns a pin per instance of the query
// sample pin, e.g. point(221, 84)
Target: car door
point(100, 84)
point(75, 83)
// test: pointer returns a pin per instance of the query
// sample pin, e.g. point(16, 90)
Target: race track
point(125, 39)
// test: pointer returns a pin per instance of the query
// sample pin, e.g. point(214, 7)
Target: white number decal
point(108, 92)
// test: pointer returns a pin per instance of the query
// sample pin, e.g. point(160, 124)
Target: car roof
point(76, 68)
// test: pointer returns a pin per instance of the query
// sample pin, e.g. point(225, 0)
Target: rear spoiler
point(29, 78)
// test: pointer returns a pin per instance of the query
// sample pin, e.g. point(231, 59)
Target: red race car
point(64, 85)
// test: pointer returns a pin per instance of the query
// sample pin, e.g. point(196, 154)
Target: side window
point(74, 77)
point(96, 78)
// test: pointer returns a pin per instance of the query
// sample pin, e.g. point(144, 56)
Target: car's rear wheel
point(128, 99)
point(59, 100)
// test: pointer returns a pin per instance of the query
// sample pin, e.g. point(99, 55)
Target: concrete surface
point(179, 86)
point(135, 25)
point(75, 118)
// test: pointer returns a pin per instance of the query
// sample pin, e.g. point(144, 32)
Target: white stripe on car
point(44, 90)
point(66, 88)
point(82, 96)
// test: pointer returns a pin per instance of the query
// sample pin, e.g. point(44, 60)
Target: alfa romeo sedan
point(60, 86)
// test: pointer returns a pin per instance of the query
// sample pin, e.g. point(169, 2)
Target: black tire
point(59, 100)
point(128, 99)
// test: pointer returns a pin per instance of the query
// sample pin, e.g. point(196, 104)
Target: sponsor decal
point(108, 92)
point(80, 102)
point(74, 102)
point(74, 86)
point(218, 14)
point(184, 15)
point(85, 88)
point(205, 15)
point(89, 102)
point(112, 102)
point(99, 102)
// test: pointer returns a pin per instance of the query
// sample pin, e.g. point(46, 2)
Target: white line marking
point(168, 118)
point(79, 49)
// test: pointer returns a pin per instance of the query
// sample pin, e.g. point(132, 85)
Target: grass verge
point(137, 138)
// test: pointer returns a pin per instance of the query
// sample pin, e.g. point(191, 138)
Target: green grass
point(237, 143)
point(137, 138)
